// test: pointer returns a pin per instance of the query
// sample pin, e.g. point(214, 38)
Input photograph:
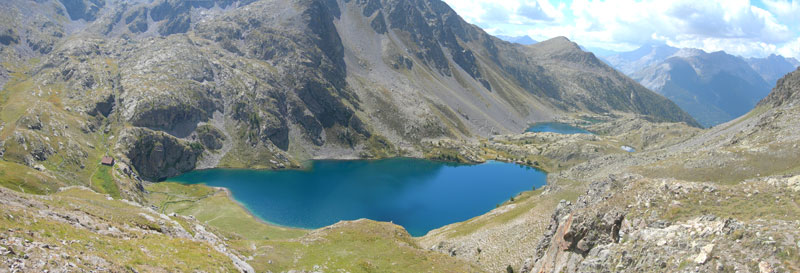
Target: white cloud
point(533, 11)
point(515, 12)
point(791, 49)
point(736, 26)
point(785, 10)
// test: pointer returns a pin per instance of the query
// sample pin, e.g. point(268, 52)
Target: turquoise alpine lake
point(419, 195)
point(556, 127)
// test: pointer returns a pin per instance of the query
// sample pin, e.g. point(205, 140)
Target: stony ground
point(79, 230)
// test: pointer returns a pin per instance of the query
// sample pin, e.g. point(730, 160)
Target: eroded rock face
point(157, 155)
point(172, 118)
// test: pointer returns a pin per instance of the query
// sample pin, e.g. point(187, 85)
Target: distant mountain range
point(523, 40)
point(774, 67)
point(600, 52)
point(712, 87)
point(637, 60)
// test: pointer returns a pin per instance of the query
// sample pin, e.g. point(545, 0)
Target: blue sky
point(748, 28)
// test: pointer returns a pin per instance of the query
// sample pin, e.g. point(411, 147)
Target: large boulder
point(575, 229)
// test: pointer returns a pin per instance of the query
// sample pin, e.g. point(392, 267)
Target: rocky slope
point(77, 230)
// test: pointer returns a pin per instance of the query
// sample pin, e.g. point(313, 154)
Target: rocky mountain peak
point(689, 52)
point(561, 48)
point(560, 44)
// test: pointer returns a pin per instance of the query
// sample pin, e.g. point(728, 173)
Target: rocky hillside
point(722, 200)
point(735, 198)
point(168, 86)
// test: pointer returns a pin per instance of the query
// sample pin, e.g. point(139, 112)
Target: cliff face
point(157, 155)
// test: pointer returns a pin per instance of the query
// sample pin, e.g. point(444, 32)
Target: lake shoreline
point(247, 210)
point(418, 194)
point(556, 127)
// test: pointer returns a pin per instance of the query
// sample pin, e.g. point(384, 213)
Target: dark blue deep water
point(419, 195)
point(556, 127)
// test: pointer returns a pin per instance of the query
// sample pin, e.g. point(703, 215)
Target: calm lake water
point(556, 127)
point(419, 195)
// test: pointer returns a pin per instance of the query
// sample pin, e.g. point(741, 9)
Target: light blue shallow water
point(556, 127)
point(419, 195)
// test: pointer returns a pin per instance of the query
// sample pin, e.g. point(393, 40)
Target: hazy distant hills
point(712, 87)
point(523, 40)
point(633, 61)
point(774, 67)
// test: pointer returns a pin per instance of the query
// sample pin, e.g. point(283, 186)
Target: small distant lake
point(419, 195)
point(556, 127)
